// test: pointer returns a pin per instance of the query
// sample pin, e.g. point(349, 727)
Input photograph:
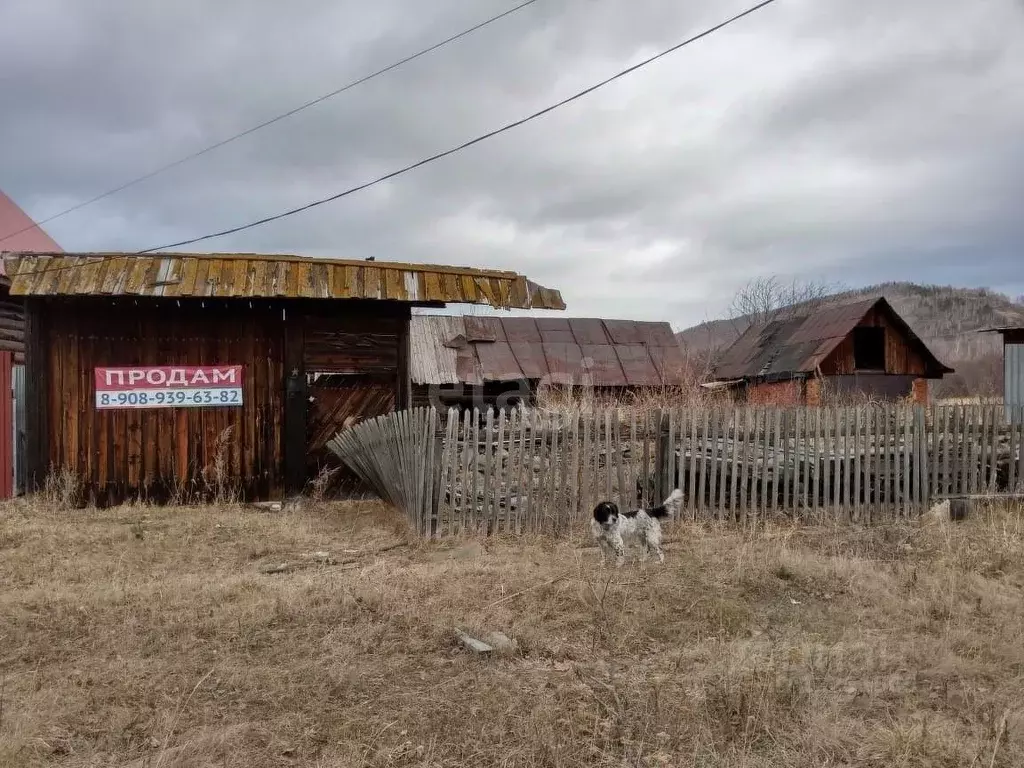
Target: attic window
point(869, 349)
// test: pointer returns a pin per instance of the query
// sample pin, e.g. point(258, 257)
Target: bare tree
point(764, 299)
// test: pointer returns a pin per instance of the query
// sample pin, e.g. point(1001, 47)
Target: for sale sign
point(217, 386)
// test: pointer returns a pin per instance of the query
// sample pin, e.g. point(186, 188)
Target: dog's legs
point(606, 549)
point(620, 550)
point(653, 544)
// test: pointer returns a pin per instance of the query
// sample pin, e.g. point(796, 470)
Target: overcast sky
point(849, 140)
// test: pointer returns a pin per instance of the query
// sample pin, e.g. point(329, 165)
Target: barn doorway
point(335, 399)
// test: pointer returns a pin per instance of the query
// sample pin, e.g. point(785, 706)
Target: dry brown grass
point(150, 637)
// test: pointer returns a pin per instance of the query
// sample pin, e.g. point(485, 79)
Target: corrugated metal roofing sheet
point(799, 344)
point(269, 276)
point(564, 350)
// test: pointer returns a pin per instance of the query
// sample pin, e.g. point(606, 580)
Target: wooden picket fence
point(542, 472)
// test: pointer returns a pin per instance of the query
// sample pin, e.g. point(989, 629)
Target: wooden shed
point(862, 348)
point(491, 362)
point(149, 372)
point(1013, 369)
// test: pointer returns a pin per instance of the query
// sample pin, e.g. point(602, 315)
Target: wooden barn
point(858, 349)
point(468, 361)
point(150, 373)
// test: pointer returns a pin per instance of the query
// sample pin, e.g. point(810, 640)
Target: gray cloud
point(858, 140)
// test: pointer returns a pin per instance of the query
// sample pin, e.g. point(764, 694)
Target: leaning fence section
point(536, 471)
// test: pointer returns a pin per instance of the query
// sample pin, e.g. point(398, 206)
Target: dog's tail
point(669, 507)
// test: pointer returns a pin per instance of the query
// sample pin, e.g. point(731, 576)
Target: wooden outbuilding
point(858, 349)
point(1013, 369)
point(147, 373)
point(488, 362)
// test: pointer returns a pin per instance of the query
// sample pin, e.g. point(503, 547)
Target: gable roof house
point(500, 361)
point(863, 348)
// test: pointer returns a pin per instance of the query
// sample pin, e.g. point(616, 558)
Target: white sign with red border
point(215, 386)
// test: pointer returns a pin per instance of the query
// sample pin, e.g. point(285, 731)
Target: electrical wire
point(271, 121)
point(467, 144)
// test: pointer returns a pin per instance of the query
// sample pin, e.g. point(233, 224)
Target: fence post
point(920, 426)
point(662, 458)
point(436, 470)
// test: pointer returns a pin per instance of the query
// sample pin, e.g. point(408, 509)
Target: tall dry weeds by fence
point(542, 471)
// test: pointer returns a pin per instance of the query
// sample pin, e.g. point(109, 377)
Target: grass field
point(153, 637)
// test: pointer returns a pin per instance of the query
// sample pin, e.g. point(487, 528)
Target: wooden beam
point(296, 404)
point(36, 383)
point(403, 385)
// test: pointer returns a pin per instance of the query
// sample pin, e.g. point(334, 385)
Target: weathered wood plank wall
point(265, 446)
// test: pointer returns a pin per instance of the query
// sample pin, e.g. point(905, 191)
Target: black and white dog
point(613, 530)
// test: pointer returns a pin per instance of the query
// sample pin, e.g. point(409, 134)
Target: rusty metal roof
point(606, 353)
point(797, 344)
point(179, 275)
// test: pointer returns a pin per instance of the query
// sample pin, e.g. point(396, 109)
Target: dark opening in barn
point(869, 349)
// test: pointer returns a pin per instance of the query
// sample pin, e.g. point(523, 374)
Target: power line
point(469, 143)
point(272, 120)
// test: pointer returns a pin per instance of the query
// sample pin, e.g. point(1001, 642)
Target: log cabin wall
point(12, 325)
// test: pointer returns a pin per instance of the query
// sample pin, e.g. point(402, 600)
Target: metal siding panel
point(531, 359)
point(485, 329)
point(555, 330)
point(565, 361)
point(497, 361)
point(521, 329)
point(637, 366)
point(624, 332)
point(1013, 375)
point(669, 362)
point(659, 334)
point(605, 368)
point(587, 330)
